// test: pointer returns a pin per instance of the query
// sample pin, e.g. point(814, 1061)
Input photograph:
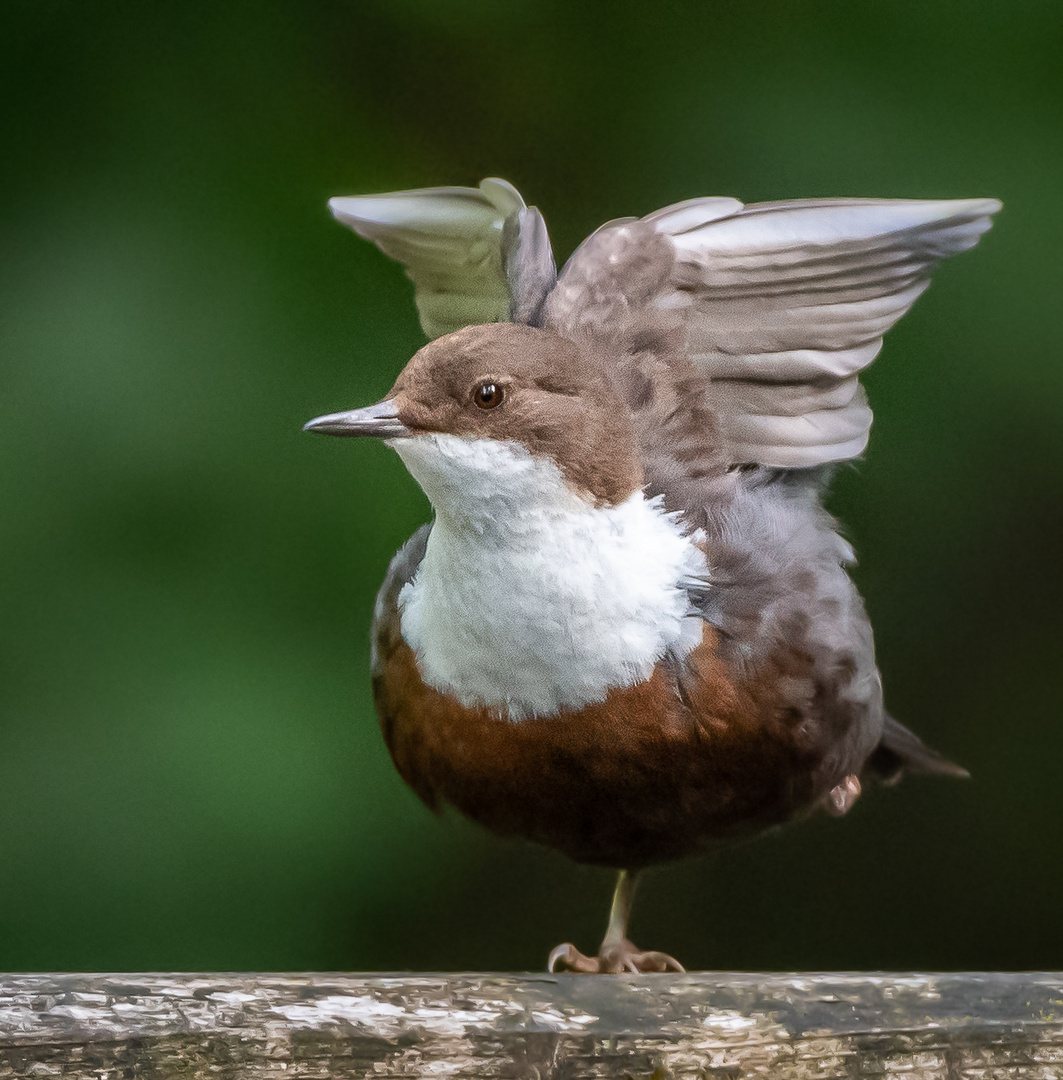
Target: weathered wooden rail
point(706, 1025)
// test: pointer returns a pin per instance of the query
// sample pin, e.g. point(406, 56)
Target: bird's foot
point(612, 959)
point(840, 799)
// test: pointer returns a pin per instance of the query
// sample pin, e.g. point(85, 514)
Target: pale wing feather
point(467, 265)
point(530, 269)
point(783, 304)
point(787, 302)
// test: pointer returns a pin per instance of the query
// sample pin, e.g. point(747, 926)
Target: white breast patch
point(531, 599)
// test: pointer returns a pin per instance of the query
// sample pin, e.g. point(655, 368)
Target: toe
point(658, 961)
point(612, 960)
point(568, 958)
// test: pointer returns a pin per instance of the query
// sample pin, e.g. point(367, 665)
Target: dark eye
point(487, 395)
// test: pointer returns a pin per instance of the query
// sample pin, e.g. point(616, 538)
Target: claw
point(611, 960)
point(568, 958)
point(658, 961)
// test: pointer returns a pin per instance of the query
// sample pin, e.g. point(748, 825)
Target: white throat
point(530, 599)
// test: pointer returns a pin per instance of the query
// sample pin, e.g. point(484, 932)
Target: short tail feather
point(901, 752)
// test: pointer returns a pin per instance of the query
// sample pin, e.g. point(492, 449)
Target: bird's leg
point(616, 954)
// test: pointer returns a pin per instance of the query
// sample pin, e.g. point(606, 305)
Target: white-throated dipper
point(629, 631)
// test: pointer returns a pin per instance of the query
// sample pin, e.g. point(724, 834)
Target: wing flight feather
point(781, 304)
point(787, 302)
point(475, 255)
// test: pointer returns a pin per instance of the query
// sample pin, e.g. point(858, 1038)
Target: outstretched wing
point(782, 304)
point(475, 255)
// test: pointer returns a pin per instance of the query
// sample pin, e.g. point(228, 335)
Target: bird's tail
point(901, 752)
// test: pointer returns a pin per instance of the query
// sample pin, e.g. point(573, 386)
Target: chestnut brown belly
point(654, 772)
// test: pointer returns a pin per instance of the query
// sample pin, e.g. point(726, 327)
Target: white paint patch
point(231, 997)
point(76, 1012)
point(556, 1020)
point(729, 1021)
point(530, 598)
point(387, 1020)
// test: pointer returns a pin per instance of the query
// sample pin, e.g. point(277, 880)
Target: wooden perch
point(706, 1025)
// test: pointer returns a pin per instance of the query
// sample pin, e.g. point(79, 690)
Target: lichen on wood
point(705, 1025)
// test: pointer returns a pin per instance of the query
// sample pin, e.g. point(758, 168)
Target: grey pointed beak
point(379, 421)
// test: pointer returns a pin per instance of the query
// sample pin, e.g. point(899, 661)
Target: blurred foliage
point(190, 770)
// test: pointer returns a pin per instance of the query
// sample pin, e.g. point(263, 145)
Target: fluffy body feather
point(514, 545)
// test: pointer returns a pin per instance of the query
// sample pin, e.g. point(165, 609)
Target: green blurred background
point(190, 770)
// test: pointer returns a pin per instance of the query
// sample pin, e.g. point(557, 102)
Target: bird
point(629, 632)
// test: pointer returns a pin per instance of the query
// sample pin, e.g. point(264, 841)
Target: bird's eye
point(487, 395)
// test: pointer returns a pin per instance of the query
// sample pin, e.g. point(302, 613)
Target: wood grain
point(703, 1025)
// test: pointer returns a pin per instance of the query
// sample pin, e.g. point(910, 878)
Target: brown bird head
point(508, 384)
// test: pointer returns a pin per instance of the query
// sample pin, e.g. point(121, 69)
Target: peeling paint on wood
point(659, 1027)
